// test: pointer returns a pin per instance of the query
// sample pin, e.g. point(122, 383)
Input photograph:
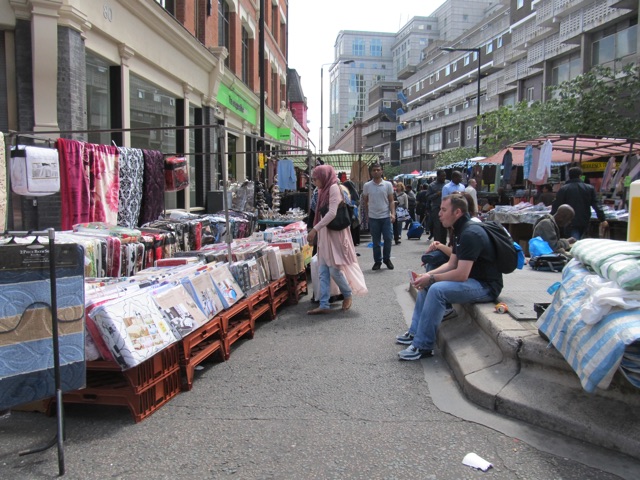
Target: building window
point(430, 79)
point(358, 47)
point(530, 94)
point(98, 99)
point(246, 58)
point(467, 60)
point(435, 141)
point(274, 92)
point(614, 46)
point(499, 42)
point(456, 135)
point(449, 137)
point(566, 69)
point(447, 70)
point(407, 149)
point(519, 4)
point(475, 56)
point(437, 75)
point(223, 27)
point(147, 114)
point(469, 133)
point(274, 21)
point(454, 66)
point(168, 5)
point(376, 47)
point(489, 47)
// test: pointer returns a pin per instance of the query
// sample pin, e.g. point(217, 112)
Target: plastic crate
point(200, 353)
point(297, 286)
point(237, 312)
point(142, 376)
point(210, 330)
point(107, 388)
point(237, 330)
point(260, 303)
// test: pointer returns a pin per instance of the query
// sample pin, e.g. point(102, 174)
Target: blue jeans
point(378, 227)
point(431, 304)
point(325, 274)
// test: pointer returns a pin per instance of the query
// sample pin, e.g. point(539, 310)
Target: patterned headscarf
point(327, 175)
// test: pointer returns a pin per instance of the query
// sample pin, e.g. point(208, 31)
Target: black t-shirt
point(473, 243)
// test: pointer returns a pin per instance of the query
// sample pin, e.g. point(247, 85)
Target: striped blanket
point(593, 351)
point(612, 259)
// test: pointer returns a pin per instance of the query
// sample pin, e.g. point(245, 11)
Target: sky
point(313, 29)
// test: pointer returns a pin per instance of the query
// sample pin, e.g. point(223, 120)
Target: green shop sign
point(241, 107)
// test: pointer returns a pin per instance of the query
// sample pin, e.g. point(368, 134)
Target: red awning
point(571, 148)
point(415, 172)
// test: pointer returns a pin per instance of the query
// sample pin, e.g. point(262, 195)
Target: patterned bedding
point(26, 346)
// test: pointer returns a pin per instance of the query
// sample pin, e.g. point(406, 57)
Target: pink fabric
point(104, 182)
point(335, 247)
point(327, 176)
point(74, 183)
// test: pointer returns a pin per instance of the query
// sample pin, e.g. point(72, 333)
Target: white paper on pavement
point(473, 460)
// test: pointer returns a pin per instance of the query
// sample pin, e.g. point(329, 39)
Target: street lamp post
point(478, 50)
point(344, 62)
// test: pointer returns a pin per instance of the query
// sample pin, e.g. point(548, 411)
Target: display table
point(519, 224)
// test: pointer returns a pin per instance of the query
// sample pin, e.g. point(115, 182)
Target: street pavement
point(325, 397)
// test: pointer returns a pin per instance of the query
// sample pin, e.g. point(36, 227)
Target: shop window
point(98, 98)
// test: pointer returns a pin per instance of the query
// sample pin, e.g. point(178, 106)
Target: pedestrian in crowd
point(434, 197)
point(421, 204)
point(336, 254)
point(402, 201)
point(548, 228)
point(546, 195)
point(377, 198)
point(581, 197)
point(503, 197)
point(455, 185)
point(412, 206)
point(471, 190)
point(470, 276)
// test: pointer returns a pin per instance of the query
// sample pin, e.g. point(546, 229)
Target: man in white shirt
point(377, 198)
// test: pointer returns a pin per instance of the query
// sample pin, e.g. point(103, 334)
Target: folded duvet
point(612, 259)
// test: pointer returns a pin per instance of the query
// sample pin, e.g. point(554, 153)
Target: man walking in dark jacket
point(581, 197)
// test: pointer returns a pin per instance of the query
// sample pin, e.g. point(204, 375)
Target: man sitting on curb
point(470, 276)
point(548, 228)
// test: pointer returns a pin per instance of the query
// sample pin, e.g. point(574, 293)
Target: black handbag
point(550, 262)
point(343, 219)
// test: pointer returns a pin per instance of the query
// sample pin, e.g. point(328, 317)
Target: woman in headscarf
point(336, 254)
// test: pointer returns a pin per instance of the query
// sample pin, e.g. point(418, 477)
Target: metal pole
point(478, 108)
point(420, 145)
point(321, 107)
point(261, 66)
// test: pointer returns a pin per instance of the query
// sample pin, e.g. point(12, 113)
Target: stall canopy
point(341, 162)
point(571, 148)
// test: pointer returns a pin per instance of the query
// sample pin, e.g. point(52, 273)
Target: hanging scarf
point(327, 176)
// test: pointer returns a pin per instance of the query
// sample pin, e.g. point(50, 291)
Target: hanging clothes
point(607, 176)
point(541, 165)
point(74, 183)
point(104, 183)
point(3, 186)
point(286, 175)
point(152, 187)
point(528, 160)
point(359, 172)
point(489, 174)
point(131, 174)
point(507, 162)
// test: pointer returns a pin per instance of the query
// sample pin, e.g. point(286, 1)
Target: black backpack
point(506, 252)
